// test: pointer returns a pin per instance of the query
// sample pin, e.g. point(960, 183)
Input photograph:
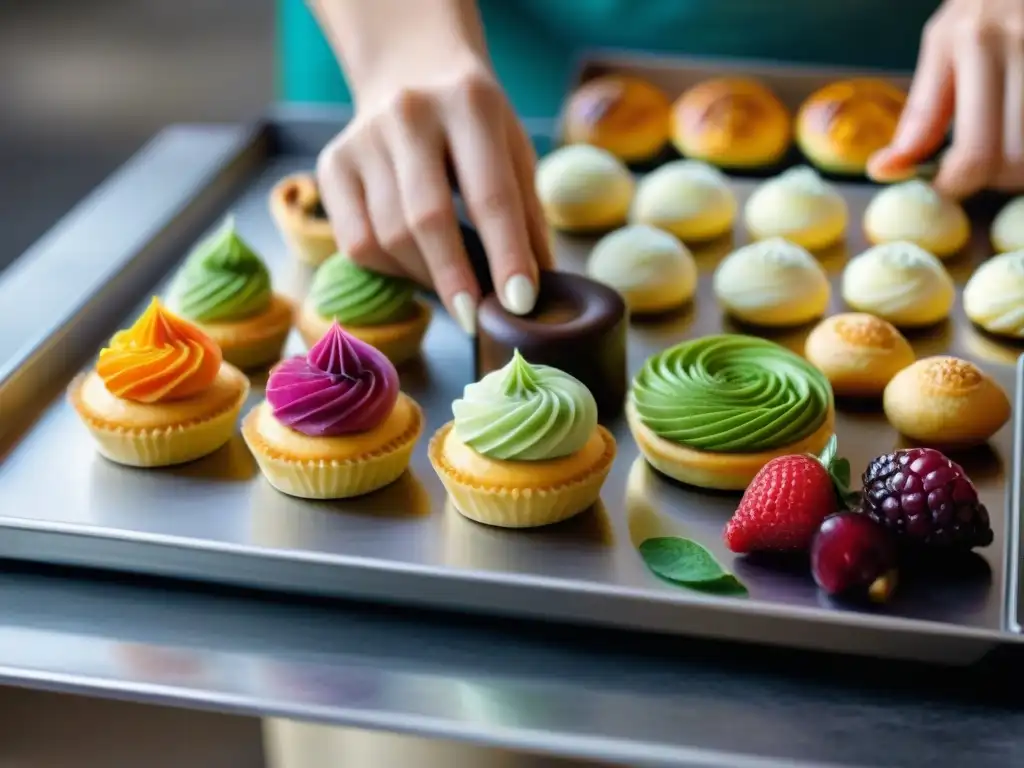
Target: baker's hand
point(386, 189)
point(970, 72)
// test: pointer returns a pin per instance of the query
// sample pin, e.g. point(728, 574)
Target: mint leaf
point(839, 470)
point(687, 563)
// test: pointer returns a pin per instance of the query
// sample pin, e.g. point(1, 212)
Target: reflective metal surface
point(218, 519)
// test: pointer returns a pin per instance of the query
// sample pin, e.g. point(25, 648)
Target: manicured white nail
point(465, 312)
point(519, 295)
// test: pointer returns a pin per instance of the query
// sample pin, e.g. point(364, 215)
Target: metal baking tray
point(218, 520)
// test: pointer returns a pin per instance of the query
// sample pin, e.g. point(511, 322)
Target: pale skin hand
point(970, 73)
point(425, 93)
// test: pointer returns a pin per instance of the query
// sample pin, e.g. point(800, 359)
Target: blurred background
point(84, 83)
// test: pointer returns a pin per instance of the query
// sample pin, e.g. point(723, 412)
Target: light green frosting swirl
point(525, 412)
point(346, 292)
point(731, 394)
point(222, 279)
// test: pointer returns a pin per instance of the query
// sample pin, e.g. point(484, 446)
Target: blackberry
point(925, 498)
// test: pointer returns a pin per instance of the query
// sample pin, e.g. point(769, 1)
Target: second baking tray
point(218, 520)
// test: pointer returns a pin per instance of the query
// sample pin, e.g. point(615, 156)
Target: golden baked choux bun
point(625, 115)
point(994, 296)
point(913, 211)
point(800, 206)
point(584, 189)
point(688, 198)
point(946, 402)
point(1007, 233)
point(735, 122)
point(841, 125)
point(858, 353)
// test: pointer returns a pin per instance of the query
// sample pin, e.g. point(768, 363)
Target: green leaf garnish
point(838, 469)
point(686, 563)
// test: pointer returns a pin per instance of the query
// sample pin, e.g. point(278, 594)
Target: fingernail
point(519, 295)
point(465, 312)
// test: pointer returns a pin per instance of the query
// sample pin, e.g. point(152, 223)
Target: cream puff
point(688, 198)
point(859, 353)
point(841, 125)
point(1007, 232)
point(584, 189)
point(800, 206)
point(651, 269)
point(624, 115)
point(946, 402)
point(772, 283)
point(734, 122)
point(994, 296)
point(899, 282)
point(914, 212)
point(299, 214)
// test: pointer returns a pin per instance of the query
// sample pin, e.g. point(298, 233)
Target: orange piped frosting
point(161, 357)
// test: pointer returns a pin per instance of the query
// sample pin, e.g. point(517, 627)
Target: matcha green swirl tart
point(379, 309)
point(224, 288)
point(524, 449)
point(711, 412)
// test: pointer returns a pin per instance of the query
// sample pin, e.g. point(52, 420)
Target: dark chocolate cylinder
point(578, 326)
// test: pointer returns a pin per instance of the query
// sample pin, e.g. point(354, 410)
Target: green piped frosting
point(525, 412)
point(346, 292)
point(731, 394)
point(222, 280)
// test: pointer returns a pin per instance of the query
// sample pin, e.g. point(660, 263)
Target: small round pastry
point(160, 393)
point(772, 283)
point(914, 212)
point(299, 214)
point(713, 411)
point(224, 288)
point(859, 353)
point(334, 424)
point(994, 296)
point(651, 269)
point(578, 326)
point(1007, 233)
point(800, 206)
point(381, 310)
point(734, 122)
point(946, 402)
point(584, 189)
point(625, 115)
point(524, 449)
point(899, 282)
point(841, 125)
point(688, 198)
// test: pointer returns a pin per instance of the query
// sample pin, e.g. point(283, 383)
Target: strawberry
point(786, 502)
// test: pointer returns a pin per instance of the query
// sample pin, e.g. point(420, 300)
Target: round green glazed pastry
point(346, 292)
point(222, 280)
point(731, 394)
point(525, 412)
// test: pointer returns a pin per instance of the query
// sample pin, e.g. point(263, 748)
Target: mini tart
point(717, 471)
point(254, 342)
point(688, 198)
point(946, 402)
point(733, 122)
point(165, 433)
point(584, 189)
point(293, 203)
point(841, 125)
point(800, 206)
point(859, 353)
point(1007, 232)
point(994, 296)
point(333, 467)
point(521, 494)
point(627, 116)
point(399, 341)
point(914, 212)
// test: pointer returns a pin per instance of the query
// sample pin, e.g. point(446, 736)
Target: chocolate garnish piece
point(578, 326)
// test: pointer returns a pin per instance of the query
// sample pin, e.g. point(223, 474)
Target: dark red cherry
point(853, 555)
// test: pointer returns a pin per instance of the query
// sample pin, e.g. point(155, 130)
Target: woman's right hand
point(426, 96)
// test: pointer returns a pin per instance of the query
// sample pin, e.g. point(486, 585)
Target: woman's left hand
point(970, 71)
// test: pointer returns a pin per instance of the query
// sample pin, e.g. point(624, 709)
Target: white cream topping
point(641, 257)
point(684, 189)
point(768, 274)
point(580, 173)
point(1008, 226)
point(795, 200)
point(897, 280)
point(994, 296)
point(913, 211)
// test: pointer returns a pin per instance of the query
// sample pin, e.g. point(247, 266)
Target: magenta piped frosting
point(341, 386)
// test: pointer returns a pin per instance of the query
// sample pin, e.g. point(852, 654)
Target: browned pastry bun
point(735, 122)
point(624, 115)
point(841, 125)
